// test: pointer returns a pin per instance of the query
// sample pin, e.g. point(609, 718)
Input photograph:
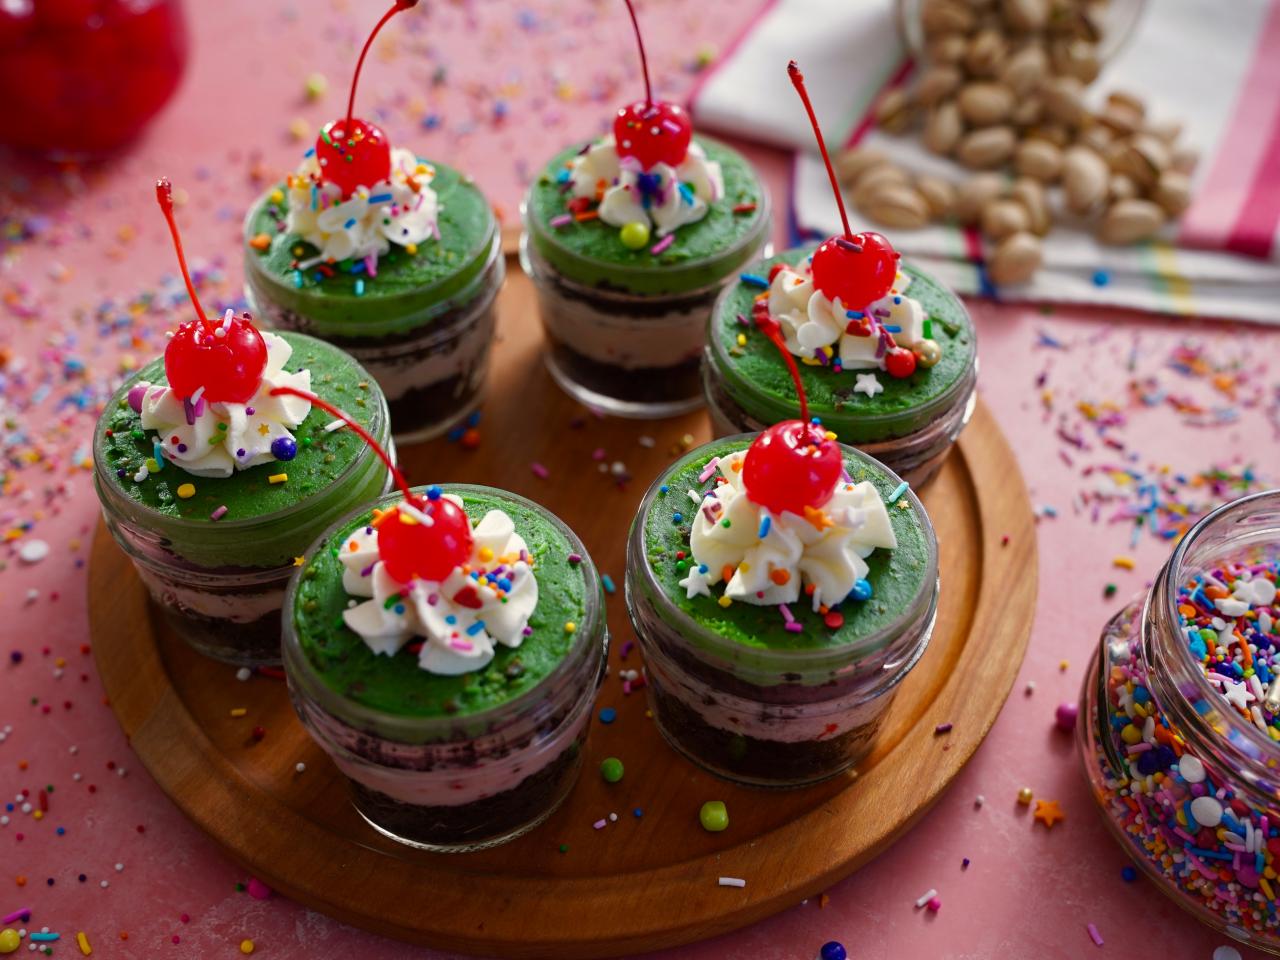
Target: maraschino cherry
point(856, 269)
point(226, 357)
point(410, 548)
point(355, 153)
point(792, 466)
point(651, 132)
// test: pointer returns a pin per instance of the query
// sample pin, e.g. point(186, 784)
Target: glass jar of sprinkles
point(1179, 727)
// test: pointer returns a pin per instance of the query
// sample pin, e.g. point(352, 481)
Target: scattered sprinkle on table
point(732, 882)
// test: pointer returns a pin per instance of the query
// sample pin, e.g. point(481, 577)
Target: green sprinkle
point(713, 816)
point(611, 769)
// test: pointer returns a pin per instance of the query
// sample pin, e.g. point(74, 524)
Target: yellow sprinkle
point(317, 84)
point(83, 943)
point(277, 478)
point(724, 601)
point(742, 339)
point(570, 627)
point(38, 814)
point(486, 554)
point(152, 465)
point(1063, 665)
point(299, 129)
point(299, 561)
point(277, 196)
point(744, 566)
point(246, 946)
point(1123, 562)
point(830, 434)
point(411, 249)
point(239, 711)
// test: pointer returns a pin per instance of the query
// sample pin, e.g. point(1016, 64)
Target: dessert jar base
point(477, 825)
point(432, 374)
point(915, 457)
point(625, 354)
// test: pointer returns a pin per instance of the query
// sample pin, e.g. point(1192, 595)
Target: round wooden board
point(640, 883)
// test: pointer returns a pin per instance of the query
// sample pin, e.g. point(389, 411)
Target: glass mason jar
point(429, 356)
point(1109, 25)
point(629, 353)
point(1189, 788)
point(915, 456)
point(770, 718)
point(230, 611)
point(465, 782)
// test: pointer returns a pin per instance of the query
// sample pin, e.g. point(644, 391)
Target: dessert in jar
point(781, 586)
point(888, 355)
point(1179, 723)
point(213, 485)
point(629, 239)
point(392, 257)
point(444, 647)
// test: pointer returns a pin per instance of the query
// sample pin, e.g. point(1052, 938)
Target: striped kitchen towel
point(1215, 67)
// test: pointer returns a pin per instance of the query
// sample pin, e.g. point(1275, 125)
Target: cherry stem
point(361, 431)
point(773, 330)
point(164, 195)
point(797, 80)
point(644, 61)
point(355, 79)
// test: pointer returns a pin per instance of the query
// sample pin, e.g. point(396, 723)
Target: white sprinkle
point(33, 551)
point(104, 884)
point(334, 425)
point(32, 595)
point(299, 767)
point(195, 397)
point(120, 771)
point(77, 777)
point(73, 749)
point(243, 674)
point(979, 800)
point(1030, 688)
point(26, 808)
point(647, 442)
point(732, 882)
point(4, 820)
point(119, 868)
point(613, 818)
point(414, 513)
point(1226, 953)
point(141, 475)
point(925, 898)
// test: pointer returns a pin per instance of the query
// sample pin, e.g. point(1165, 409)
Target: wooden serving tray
point(639, 883)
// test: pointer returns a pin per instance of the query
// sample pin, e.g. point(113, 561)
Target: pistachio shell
point(897, 206)
point(872, 180)
point(852, 163)
point(986, 53)
point(985, 104)
point(1063, 100)
point(1015, 259)
point(1025, 70)
point(894, 111)
point(1000, 218)
point(1130, 221)
point(1173, 192)
point(1039, 159)
point(974, 194)
point(937, 83)
point(1025, 16)
point(985, 148)
point(1031, 194)
point(938, 194)
point(1084, 179)
point(943, 128)
point(946, 16)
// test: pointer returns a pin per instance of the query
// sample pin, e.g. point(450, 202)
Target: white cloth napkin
point(1211, 66)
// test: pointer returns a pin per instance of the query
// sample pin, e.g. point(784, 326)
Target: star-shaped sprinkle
point(818, 518)
point(299, 561)
point(868, 384)
point(1237, 694)
point(1048, 812)
point(263, 429)
point(695, 582)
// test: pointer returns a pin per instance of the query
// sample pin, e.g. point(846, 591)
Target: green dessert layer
point(396, 685)
point(756, 377)
point(409, 290)
point(591, 252)
point(897, 577)
point(331, 473)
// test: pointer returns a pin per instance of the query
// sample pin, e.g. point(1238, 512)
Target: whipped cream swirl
point(402, 209)
point(818, 328)
point(663, 196)
point(768, 558)
point(215, 439)
point(486, 601)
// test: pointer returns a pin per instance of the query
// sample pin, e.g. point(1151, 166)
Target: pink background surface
point(559, 68)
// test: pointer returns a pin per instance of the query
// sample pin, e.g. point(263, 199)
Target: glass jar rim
point(487, 251)
point(380, 427)
point(815, 659)
point(301, 670)
point(724, 366)
point(749, 240)
point(1166, 605)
